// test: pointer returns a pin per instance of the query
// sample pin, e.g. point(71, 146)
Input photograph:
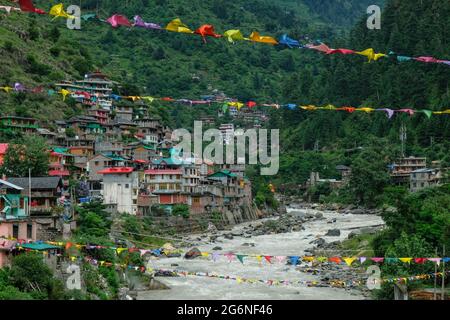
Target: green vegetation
point(29, 278)
point(181, 210)
point(28, 152)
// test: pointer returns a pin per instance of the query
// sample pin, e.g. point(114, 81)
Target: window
point(127, 186)
point(15, 231)
point(29, 231)
point(422, 184)
point(96, 163)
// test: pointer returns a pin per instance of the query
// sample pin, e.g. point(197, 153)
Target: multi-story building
point(123, 112)
point(102, 115)
point(120, 189)
point(81, 149)
point(44, 192)
point(15, 222)
point(227, 131)
point(18, 124)
point(425, 178)
point(94, 90)
point(402, 168)
point(149, 130)
point(86, 125)
point(60, 162)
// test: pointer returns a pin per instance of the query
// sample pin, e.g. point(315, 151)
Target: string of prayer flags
point(18, 87)
point(231, 35)
point(139, 22)
point(177, 26)
point(118, 20)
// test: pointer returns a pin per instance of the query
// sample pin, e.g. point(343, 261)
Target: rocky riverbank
point(296, 233)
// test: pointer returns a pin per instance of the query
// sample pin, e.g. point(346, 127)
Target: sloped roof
point(222, 173)
point(10, 185)
point(116, 170)
point(39, 246)
point(37, 182)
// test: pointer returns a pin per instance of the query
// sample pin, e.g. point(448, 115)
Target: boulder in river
point(319, 215)
point(333, 233)
point(217, 248)
point(228, 236)
point(192, 254)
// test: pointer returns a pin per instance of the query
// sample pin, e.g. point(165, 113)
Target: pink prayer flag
point(118, 20)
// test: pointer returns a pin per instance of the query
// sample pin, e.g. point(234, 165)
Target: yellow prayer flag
point(405, 260)
point(58, 11)
point(6, 89)
point(234, 35)
point(349, 261)
point(256, 37)
point(177, 26)
point(367, 110)
point(371, 55)
point(64, 93)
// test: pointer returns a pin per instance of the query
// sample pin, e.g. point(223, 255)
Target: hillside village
point(119, 155)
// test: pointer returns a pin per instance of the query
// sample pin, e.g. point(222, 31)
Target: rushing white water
point(294, 243)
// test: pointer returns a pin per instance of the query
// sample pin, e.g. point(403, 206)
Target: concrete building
point(402, 168)
point(120, 189)
point(18, 124)
point(94, 90)
point(45, 192)
point(425, 178)
point(227, 131)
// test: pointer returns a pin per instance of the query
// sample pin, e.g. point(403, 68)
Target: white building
point(120, 189)
point(227, 131)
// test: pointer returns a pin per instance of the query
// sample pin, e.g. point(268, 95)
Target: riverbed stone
point(333, 233)
point(192, 254)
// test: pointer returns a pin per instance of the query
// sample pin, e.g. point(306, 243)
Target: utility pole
point(435, 277)
point(29, 192)
point(403, 137)
point(443, 273)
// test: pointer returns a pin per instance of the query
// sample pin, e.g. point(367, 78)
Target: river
point(294, 243)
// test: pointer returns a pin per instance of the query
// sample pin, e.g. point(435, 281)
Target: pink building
point(19, 230)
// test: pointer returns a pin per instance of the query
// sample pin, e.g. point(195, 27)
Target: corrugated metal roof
point(10, 185)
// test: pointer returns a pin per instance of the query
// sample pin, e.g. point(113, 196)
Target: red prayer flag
point(27, 5)
point(342, 51)
point(251, 104)
point(207, 30)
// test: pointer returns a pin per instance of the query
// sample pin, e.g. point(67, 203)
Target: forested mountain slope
point(38, 51)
